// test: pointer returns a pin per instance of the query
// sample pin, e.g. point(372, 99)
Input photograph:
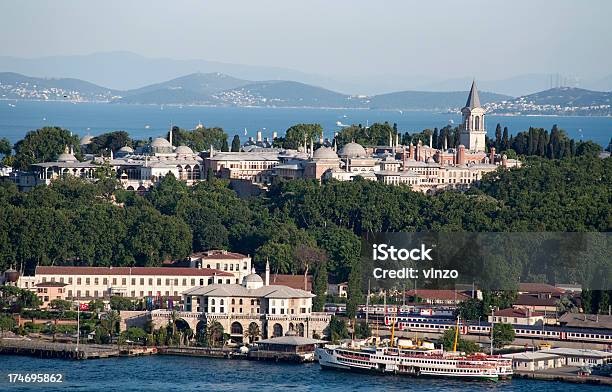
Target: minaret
point(472, 128)
point(267, 272)
point(170, 135)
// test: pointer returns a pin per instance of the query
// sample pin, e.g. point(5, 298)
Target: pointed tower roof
point(473, 99)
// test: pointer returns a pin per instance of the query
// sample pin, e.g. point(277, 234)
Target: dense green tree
point(503, 334)
point(498, 137)
point(224, 145)
point(300, 134)
point(588, 148)
point(200, 139)
point(43, 145)
point(337, 329)
point(121, 303)
point(236, 143)
point(5, 147)
point(107, 142)
point(375, 134)
point(7, 323)
point(320, 288)
point(471, 310)
point(135, 335)
point(448, 340)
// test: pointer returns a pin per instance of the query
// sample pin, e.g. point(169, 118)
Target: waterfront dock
point(565, 374)
point(202, 352)
point(46, 349)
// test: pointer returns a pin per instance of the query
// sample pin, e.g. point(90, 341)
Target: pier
point(565, 374)
point(45, 349)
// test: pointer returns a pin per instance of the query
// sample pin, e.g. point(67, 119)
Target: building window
point(96, 280)
point(78, 280)
point(150, 281)
point(105, 281)
point(142, 281)
point(159, 281)
point(87, 281)
point(114, 281)
point(133, 281)
point(123, 281)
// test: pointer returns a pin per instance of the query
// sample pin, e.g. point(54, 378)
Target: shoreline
point(195, 105)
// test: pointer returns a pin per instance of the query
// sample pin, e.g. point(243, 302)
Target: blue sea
point(185, 374)
point(143, 121)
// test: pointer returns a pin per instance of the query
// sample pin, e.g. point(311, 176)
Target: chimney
point(461, 155)
point(170, 135)
point(390, 140)
point(267, 272)
point(411, 151)
point(445, 143)
point(492, 155)
point(397, 139)
point(212, 151)
point(274, 135)
point(404, 158)
point(430, 140)
point(259, 136)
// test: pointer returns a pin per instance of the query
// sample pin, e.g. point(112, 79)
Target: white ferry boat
point(415, 361)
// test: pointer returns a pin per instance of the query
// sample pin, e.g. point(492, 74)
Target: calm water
point(167, 373)
point(94, 118)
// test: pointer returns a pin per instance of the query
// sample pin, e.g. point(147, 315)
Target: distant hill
point(193, 88)
point(419, 100)
point(559, 101)
point(17, 86)
point(570, 96)
point(283, 94)
point(224, 90)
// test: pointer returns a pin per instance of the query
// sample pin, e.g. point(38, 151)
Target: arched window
point(477, 123)
point(277, 331)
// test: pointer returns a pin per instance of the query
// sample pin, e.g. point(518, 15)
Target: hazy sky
point(492, 39)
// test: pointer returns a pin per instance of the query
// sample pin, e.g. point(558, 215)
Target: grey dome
point(183, 150)
point(352, 150)
point(66, 157)
point(325, 153)
point(160, 142)
point(252, 278)
point(126, 149)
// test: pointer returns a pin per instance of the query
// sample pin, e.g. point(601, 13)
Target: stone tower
point(472, 128)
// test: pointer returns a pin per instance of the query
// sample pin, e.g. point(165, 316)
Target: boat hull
point(329, 361)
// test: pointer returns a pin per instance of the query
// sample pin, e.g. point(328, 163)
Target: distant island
point(218, 89)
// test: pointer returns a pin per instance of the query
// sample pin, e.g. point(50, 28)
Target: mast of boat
point(368, 302)
point(456, 336)
point(392, 331)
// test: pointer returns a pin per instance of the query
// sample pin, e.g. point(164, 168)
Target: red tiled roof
point(526, 299)
point(445, 295)
point(293, 281)
point(512, 312)
point(170, 271)
point(217, 255)
point(539, 288)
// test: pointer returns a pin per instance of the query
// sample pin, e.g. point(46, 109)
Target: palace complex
point(420, 166)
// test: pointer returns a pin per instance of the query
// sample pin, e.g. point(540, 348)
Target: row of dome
point(349, 150)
